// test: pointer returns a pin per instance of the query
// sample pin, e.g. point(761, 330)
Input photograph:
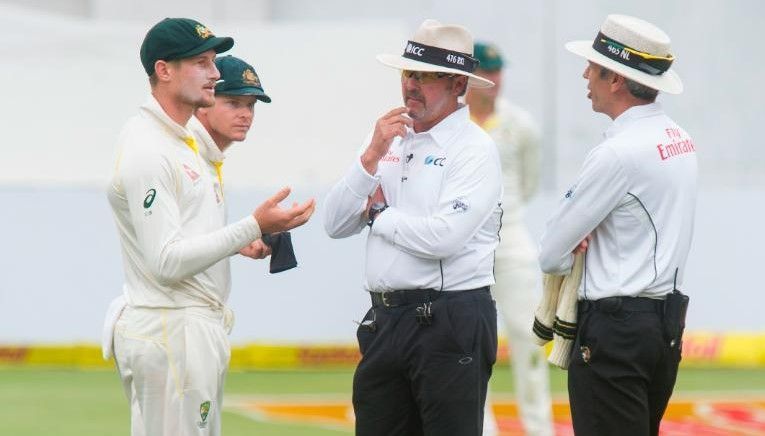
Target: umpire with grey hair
point(631, 211)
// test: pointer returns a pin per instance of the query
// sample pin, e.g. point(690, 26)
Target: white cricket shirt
point(444, 188)
point(170, 217)
point(636, 193)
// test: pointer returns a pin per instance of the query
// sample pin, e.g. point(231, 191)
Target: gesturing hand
point(272, 218)
point(387, 127)
point(256, 250)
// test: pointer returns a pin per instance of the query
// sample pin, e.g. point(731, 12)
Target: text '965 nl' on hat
point(632, 48)
point(179, 38)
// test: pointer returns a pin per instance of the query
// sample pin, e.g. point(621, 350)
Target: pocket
point(364, 334)
point(621, 315)
point(584, 344)
point(680, 351)
point(678, 348)
point(463, 318)
point(492, 341)
point(140, 325)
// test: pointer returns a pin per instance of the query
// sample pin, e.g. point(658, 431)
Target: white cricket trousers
point(173, 364)
point(517, 292)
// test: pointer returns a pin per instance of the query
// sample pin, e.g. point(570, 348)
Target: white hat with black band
point(440, 48)
point(635, 49)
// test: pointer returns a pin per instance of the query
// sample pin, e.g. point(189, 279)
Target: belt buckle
point(384, 299)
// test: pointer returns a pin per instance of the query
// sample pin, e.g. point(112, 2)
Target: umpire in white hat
point(631, 211)
point(427, 184)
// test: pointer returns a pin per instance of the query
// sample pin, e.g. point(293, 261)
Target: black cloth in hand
point(282, 253)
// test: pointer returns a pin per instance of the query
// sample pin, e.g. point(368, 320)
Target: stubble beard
point(417, 113)
point(197, 101)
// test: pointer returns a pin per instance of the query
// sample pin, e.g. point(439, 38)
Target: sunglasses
point(424, 76)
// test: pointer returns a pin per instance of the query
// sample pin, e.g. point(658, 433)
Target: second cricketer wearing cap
point(228, 121)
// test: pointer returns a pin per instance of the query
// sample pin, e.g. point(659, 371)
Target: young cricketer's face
point(230, 118)
point(192, 80)
point(486, 94)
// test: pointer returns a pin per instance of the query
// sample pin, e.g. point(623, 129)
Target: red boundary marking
point(707, 416)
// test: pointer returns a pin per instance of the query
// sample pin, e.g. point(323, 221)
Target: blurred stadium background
point(73, 77)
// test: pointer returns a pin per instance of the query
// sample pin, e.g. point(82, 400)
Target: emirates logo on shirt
point(390, 157)
point(676, 146)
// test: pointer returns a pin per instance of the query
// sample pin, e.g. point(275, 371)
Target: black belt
point(414, 296)
point(626, 304)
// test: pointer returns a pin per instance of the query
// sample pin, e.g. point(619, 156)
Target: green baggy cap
point(488, 56)
point(179, 38)
point(238, 78)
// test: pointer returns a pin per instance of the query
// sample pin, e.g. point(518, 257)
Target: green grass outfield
point(62, 403)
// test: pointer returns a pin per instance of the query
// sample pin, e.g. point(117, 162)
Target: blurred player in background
point(516, 270)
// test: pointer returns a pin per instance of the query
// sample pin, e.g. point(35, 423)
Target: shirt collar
point(152, 107)
point(209, 149)
point(445, 130)
point(631, 115)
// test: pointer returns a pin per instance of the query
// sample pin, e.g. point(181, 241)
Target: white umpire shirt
point(170, 216)
point(444, 189)
point(636, 195)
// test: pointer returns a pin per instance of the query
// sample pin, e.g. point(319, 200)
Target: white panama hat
point(441, 48)
point(635, 49)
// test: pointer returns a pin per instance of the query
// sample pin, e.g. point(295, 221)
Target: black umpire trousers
point(418, 379)
point(622, 369)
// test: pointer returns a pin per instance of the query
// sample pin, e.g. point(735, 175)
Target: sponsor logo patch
point(678, 144)
point(413, 49)
point(250, 78)
point(570, 193)
point(203, 32)
point(435, 161)
point(193, 175)
point(460, 205)
point(390, 157)
point(204, 410)
point(218, 193)
point(151, 194)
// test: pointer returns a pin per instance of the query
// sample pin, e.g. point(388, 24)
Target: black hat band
point(439, 56)
point(645, 62)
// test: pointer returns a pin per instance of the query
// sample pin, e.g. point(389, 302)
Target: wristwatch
point(374, 210)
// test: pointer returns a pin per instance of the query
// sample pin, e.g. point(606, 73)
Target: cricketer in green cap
point(230, 118)
point(488, 56)
point(179, 38)
point(490, 65)
point(238, 78)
